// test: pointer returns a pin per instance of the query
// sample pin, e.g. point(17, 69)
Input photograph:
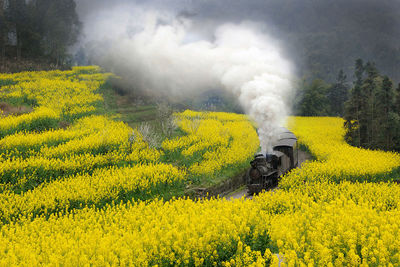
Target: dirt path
point(303, 156)
point(239, 193)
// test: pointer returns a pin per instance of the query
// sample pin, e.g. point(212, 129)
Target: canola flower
point(339, 232)
point(33, 157)
point(57, 173)
point(111, 144)
point(100, 127)
point(348, 223)
point(235, 153)
point(113, 136)
point(41, 118)
point(102, 186)
point(222, 140)
point(336, 160)
point(56, 94)
point(61, 189)
point(293, 225)
point(179, 232)
point(36, 170)
point(34, 150)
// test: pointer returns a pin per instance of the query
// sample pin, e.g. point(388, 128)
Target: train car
point(266, 170)
point(287, 144)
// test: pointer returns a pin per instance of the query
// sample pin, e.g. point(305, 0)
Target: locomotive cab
point(263, 172)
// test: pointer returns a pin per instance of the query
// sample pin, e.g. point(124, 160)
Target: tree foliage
point(43, 29)
point(318, 98)
point(337, 95)
point(372, 119)
point(314, 101)
point(371, 108)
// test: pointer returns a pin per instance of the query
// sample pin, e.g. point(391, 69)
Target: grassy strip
point(116, 105)
point(35, 125)
point(164, 191)
point(24, 179)
point(391, 176)
point(305, 148)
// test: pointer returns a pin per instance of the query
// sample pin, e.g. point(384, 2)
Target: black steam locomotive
point(266, 169)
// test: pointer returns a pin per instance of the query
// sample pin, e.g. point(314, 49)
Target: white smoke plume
point(165, 53)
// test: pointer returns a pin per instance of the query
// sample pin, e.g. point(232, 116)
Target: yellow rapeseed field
point(78, 188)
point(219, 135)
point(336, 160)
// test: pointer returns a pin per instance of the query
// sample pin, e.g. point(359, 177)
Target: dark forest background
point(37, 31)
point(321, 36)
point(369, 104)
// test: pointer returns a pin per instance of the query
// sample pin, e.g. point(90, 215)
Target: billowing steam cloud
point(168, 54)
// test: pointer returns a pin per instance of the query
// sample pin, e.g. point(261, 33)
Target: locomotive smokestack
point(171, 55)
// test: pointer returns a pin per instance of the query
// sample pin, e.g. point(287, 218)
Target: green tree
point(384, 118)
point(396, 120)
point(371, 116)
point(397, 102)
point(58, 25)
point(368, 111)
point(2, 32)
point(17, 13)
point(338, 95)
point(353, 107)
point(314, 101)
point(39, 29)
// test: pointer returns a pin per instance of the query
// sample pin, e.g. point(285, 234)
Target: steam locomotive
point(266, 169)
